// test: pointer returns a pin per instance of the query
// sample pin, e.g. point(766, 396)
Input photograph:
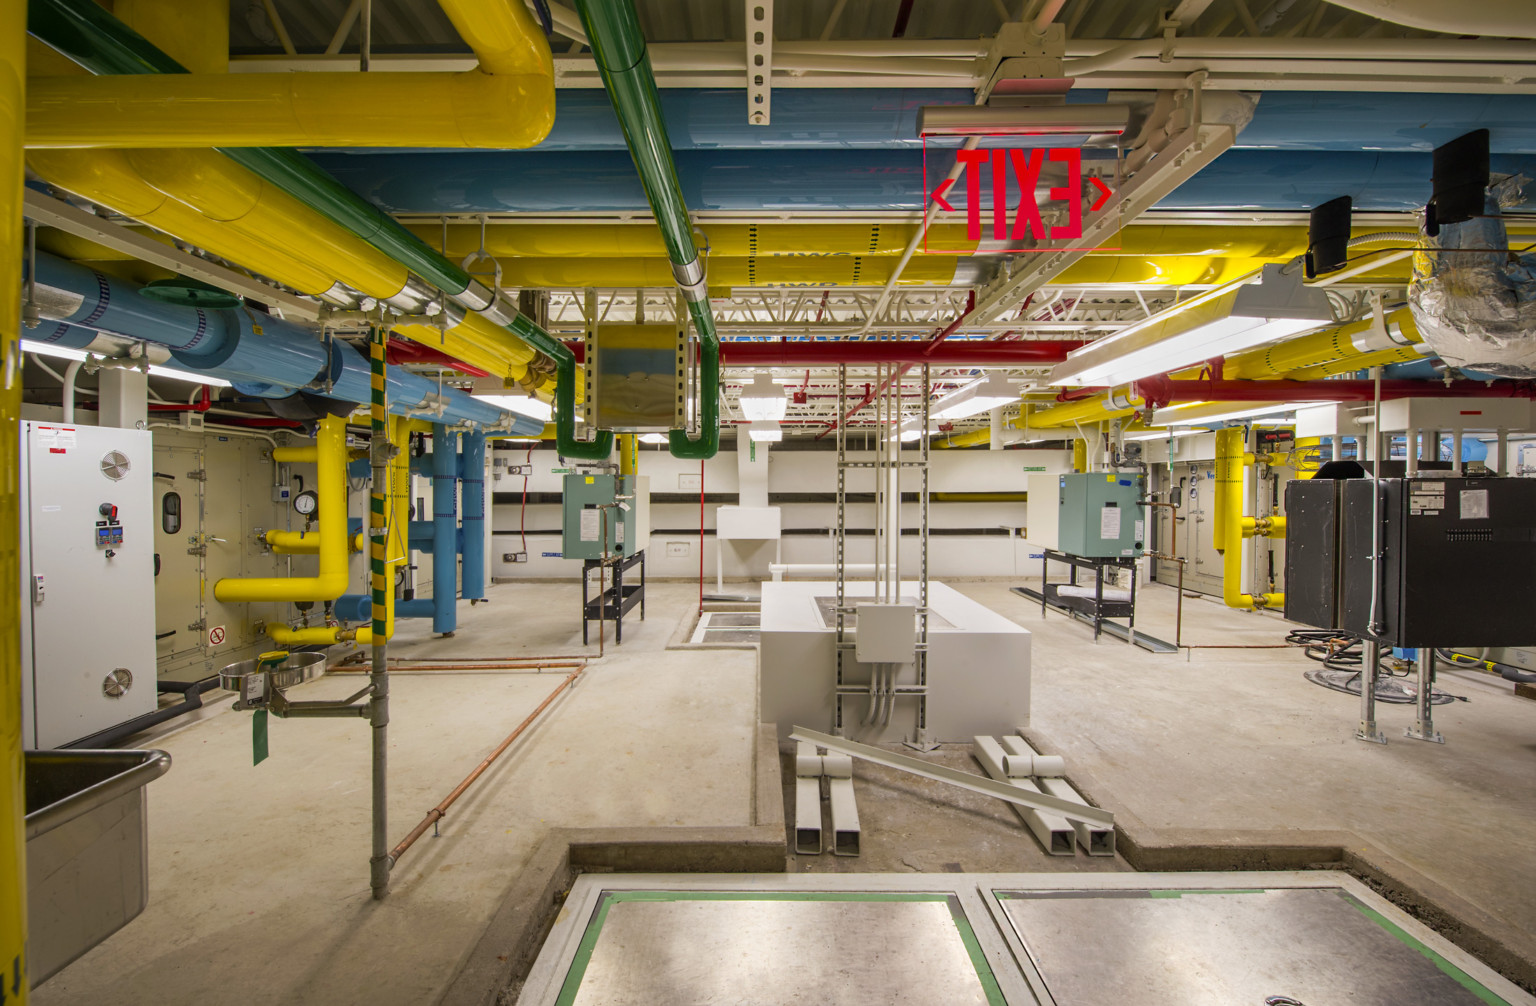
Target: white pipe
point(1499, 18)
point(70, 373)
point(1046, 16)
point(779, 570)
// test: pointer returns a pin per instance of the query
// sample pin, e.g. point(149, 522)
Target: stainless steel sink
point(87, 849)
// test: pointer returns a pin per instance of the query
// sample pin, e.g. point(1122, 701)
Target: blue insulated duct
point(407, 392)
point(62, 334)
point(875, 118)
point(830, 179)
point(472, 489)
point(445, 561)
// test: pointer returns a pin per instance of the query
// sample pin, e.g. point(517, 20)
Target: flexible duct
point(1351, 347)
point(1498, 18)
point(619, 49)
point(329, 455)
point(1474, 302)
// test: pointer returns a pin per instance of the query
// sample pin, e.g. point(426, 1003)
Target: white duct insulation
point(1474, 301)
point(1503, 18)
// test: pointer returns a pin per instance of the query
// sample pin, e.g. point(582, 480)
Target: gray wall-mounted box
point(1099, 514)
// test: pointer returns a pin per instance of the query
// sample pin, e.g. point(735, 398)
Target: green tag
point(752, 453)
point(259, 737)
point(1034, 468)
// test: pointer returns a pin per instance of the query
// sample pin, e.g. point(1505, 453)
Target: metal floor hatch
point(1050, 939)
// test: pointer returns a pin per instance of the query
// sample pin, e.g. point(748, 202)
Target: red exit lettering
point(1025, 166)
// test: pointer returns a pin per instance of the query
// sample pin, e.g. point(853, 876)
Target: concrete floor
point(259, 876)
point(259, 879)
point(1238, 739)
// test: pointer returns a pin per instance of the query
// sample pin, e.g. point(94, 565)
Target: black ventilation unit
point(1460, 181)
point(1328, 237)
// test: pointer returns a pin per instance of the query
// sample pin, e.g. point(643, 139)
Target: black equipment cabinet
point(1312, 551)
point(1458, 561)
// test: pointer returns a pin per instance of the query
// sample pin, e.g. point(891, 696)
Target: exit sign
point(1018, 224)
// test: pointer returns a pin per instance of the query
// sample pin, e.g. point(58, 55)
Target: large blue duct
point(445, 558)
point(874, 118)
point(260, 355)
point(858, 180)
point(472, 527)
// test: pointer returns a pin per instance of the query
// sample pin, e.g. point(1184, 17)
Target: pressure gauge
point(306, 502)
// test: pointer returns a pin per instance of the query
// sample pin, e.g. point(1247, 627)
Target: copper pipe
point(1178, 617)
point(469, 667)
point(439, 812)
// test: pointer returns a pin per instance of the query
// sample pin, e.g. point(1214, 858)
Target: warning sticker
point(1474, 504)
point(216, 635)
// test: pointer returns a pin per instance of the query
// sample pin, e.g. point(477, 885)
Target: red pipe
point(414, 352)
point(952, 327)
point(204, 403)
point(966, 353)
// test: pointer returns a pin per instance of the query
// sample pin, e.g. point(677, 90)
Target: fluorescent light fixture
point(1163, 434)
point(1214, 412)
point(763, 400)
point(764, 431)
point(155, 369)
point(533, 408)
point(979, 396)
point(1258, 309)
point(653, 438)
point(1020, 120)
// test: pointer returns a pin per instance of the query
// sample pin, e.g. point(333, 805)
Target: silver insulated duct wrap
point(1473, 300)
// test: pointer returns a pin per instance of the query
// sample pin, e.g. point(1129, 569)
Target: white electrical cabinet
point(88, 580)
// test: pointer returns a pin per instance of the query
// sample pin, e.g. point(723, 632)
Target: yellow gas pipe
point(1230, 527)
point(329, 455)
point(397, 549)
point(13, 869)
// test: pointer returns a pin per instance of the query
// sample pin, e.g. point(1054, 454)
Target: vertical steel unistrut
point(379, 582)
point(842, 541)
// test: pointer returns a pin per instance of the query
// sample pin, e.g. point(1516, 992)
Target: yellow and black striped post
point(379, 582)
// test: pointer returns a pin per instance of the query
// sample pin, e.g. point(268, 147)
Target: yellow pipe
point(1093, 409)
point(195, 33)
point(229, 194)
point(471, 109)
point(629, 454)
point(304, 542)
point(1355, 345)
point(399, 491)
point(1230, 526)
point(506, 102)
point(1079, 455)
point(330, 457)
point(107, 178)
point(13, 870)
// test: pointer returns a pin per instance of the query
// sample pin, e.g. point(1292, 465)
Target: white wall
point(676, 554)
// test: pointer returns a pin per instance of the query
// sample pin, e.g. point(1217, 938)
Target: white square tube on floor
point(1097, 840)
point(1054, 831)
point(845, 812)
point(807, 800)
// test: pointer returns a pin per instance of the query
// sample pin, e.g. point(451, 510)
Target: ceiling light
point(653, 438)
point(1215, 412)
point(979, 396)
point(1258, 309)
point(1163, 434)
point(763, 400)
point(155, 369)
point(1020, 120)
point(533, 408)
point(763, 430)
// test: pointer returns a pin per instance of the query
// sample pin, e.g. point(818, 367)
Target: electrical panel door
point(1100, 514)
point(590, 503)
point(88, 542)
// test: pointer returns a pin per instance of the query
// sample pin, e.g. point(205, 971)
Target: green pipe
point(619, 49)
point(85, 33)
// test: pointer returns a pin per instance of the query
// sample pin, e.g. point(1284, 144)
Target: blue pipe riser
point(445, 564)
point(783, 180)
point(886, 118)
point(356, 608)
point(472, 533)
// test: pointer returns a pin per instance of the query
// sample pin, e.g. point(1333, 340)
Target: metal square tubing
point(1054, 832)
point(1096, 841)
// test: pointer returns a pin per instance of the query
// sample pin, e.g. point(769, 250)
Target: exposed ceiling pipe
point(1326, 391)
point(619, 49)
point(979, 353)
point(1499, 18)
